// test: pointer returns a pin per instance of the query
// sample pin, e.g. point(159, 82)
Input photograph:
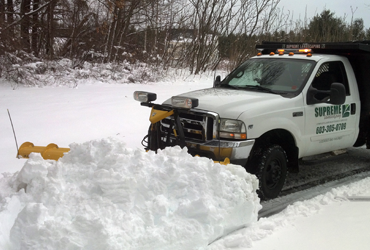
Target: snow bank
point(103, 195)
point(331, 219)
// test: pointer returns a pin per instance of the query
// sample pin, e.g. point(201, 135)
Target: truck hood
point(230, 103)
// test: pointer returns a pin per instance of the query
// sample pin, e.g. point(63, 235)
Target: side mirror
point(217, 81)
point(336, 95)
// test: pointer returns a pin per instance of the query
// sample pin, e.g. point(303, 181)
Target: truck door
point(329, 127)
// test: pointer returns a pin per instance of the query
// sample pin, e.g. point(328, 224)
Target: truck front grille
point(198, 127)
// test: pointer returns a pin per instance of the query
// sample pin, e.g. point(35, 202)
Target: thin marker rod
point(15, 138)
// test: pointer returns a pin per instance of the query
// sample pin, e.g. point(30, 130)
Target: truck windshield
point(280, 76)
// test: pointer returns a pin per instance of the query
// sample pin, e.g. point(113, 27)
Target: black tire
point(271, 171)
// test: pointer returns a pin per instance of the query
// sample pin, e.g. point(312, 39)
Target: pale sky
point(340, 7)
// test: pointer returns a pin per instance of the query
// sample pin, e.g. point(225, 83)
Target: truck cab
point(290, 101)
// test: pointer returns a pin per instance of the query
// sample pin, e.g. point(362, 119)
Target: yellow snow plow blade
point(50, 152)
point(225, 162)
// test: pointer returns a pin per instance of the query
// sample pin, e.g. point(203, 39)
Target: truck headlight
point(232, 129)
point(184, 102)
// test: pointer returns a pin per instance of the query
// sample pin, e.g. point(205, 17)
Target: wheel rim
point(273, 174)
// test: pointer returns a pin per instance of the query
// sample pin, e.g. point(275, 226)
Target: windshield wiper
point(256, 87)
point(264, 89)
point(230, 86)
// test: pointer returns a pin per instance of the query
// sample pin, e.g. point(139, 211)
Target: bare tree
point(25, 24)
point(35, 25)
point(213, 18)
point(192, 34)
point(10, 14)
point(2, 12)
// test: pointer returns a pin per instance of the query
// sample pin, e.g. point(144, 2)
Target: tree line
point(195, 34)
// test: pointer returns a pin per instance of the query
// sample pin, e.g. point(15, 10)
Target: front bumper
point(237, 151)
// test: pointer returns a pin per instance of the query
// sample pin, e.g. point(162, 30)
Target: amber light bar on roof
point(322, 48)
point(291, 52)
point(282, 51)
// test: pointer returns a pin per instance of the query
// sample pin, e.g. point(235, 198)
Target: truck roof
point(336, 48)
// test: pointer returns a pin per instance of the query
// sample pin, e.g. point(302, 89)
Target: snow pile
point(336, 220)
point(20, 69)
point(103, 195)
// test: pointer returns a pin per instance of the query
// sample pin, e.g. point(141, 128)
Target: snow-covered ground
point(109, 194)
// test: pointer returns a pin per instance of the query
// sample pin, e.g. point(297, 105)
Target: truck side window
point(329, 73)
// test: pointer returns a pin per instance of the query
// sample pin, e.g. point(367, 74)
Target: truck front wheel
point(272, 171)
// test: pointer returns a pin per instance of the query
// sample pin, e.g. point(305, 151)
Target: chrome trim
point(199, 138)
point(239, 149)
point(228, 144)
point(203, 125)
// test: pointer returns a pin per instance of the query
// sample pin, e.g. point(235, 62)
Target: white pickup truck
point(290, 101)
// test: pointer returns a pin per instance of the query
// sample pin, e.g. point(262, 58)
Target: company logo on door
point(333, 111)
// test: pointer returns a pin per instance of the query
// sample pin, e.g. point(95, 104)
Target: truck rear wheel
point(272, 171)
